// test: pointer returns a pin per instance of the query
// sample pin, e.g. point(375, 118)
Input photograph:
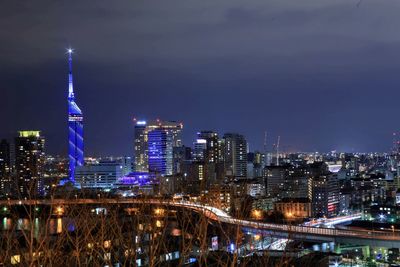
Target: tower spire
point(71, 95)
point(75, 126)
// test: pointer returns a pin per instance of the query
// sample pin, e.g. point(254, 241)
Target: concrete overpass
point(296, 232)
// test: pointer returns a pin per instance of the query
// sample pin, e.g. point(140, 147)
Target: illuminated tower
point(75, 127)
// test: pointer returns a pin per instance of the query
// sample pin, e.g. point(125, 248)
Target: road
point(328, 222)
point(300, 232)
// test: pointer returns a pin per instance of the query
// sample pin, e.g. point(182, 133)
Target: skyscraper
point(207, 147)
point(208, 153)
point(154, 144)
point(29, 159)
point(75, 127)
point(5, 167)
point(140, 147)
point(235, 155)
point(274, 178)
point(325, 195)
point(160, 152)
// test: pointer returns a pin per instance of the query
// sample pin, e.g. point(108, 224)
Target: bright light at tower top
point(70, 51)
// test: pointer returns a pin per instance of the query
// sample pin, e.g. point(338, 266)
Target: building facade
point(325, 196)
point(141, 147)
point(154, 146)
point(294, 208)
point(29, 160)
point(5, 168)
point(208, 148)
point(103, 175)
point(235, 155)
point(274, 178)
point(160, 152)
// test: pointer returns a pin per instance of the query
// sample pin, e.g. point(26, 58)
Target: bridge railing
point(319, 230)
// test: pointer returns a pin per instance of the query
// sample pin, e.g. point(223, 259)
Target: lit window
point(16, 259)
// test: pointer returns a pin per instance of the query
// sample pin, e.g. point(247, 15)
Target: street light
point(257, 214)
point(392, 228)
point(59, 210)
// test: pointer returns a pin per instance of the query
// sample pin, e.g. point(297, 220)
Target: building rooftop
point(295, 200)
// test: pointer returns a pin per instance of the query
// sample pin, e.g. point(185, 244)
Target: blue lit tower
point(75, 127)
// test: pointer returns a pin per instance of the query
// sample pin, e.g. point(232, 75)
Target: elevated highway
point(296, 232)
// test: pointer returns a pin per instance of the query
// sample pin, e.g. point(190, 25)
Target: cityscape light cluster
point(262, 189)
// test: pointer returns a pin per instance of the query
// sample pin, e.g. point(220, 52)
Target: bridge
point(330, 222)
point(295, 232)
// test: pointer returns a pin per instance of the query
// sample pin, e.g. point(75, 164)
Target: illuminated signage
point(73, 118)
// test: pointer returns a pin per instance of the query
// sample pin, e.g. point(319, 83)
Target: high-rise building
point(235, 155)
point(207, 147)
point(181, 156)
point(325, 196)
point(75, 127)
point(29, 160)
point(297, 183)
point(250, 165)
point(274, 177)
point(172, 128)
point(141, 147)
point(208, 151)
point(160, 152)
point(127, 165)
point(199, 150)
point(154, 146)
point(259, 163)
point(5, 168)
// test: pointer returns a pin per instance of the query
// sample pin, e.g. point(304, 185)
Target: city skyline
point(319, 97)
point(200, 133)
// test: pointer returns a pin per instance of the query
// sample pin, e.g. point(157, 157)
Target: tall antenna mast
point(277, 150)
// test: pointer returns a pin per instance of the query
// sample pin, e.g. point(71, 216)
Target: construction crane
point(265, 143)
point(277, 150)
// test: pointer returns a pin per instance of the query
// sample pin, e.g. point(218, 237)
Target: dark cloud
point(322, 74)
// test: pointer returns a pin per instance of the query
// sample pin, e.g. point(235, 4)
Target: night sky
point(322, 74)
